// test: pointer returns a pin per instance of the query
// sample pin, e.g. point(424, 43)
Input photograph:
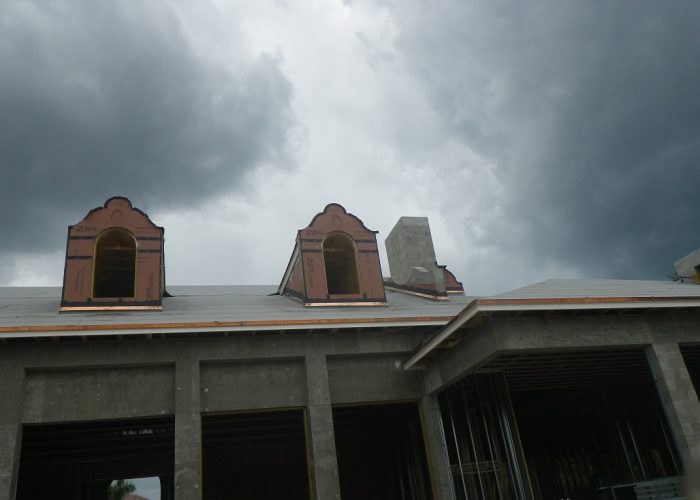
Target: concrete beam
point(365, 379)
point(679, 328)
point(500, 334)
point(562, 332)
point(65, 395)
point(188, 429)
point(253, 385)
point(324, 464)
point(138, 352)
point(438, 463)
point(677, 394)
point(476, 349)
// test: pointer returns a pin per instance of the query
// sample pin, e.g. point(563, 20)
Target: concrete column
point(10, 428)
point(324, 464)
point(692, 478)
point(188, 430)
point(677, 394)
point(443, 487)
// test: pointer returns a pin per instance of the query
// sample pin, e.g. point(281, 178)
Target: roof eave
point(213, 327)
point(523, 305)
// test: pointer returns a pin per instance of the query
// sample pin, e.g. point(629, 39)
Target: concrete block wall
point(189, 377)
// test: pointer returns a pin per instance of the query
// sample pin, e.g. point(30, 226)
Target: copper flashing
point(203, 325)
point(423, 291)
point(452, 286)
point(581, 300)
point(109, 308)
point(338, 303)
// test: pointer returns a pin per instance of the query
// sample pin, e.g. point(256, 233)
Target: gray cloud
point(105, 98)
point(591, 112)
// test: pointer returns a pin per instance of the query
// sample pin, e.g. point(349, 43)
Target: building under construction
point(341, 382)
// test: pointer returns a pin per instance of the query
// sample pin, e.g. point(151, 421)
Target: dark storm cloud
point(107, 98)
point(591, 111)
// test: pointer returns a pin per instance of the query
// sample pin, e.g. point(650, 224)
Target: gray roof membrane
point(601, 288)
point(38, 306)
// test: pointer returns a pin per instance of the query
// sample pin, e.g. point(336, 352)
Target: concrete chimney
point(688, 268)
point(411, 256)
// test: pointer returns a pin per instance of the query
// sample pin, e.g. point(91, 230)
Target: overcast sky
point(542, 139)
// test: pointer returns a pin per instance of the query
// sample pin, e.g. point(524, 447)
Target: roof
point(32, 310)
point(600, 288)
point(569, 295)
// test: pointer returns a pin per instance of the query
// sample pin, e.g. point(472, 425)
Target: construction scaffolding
point(564, 424)
point(482, 442)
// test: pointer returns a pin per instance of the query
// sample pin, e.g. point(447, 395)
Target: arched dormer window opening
point(115, 264)
point(340, 259)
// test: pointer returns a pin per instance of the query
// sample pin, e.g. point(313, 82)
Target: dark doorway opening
point(256, 456)
point(691, 356)
point(591, 423)
point(381, 452)
point(80, 461)
point(584, 425)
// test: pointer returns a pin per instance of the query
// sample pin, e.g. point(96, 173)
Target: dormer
point(335, 262)
point(114, 260)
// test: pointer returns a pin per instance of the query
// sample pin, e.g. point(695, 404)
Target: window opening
point(115, 264)
point(143, 488)
point(341, 265)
